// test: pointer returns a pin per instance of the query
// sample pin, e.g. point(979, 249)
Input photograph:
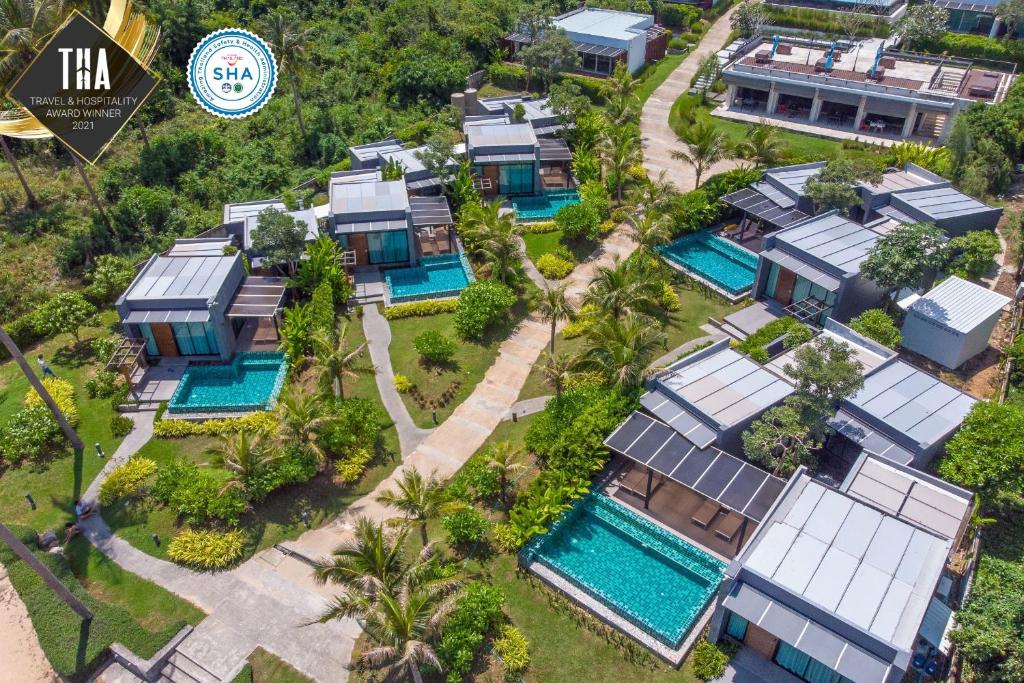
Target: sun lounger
point(705, 514)
point(426, 246)
point(727, 526)
point(444, 244)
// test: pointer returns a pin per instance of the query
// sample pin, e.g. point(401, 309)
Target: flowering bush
point(206, 549)
point(126, 480)
point(63, 394)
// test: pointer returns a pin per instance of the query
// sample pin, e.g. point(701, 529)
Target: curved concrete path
point(378, 339)
point(659, 140)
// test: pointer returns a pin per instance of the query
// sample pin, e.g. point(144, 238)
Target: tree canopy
point(987, 454)
point(824, 371)
point(903, 256)
point(279, 238)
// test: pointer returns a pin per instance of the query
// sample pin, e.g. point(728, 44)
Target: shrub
point(262, 422)
point(403, 384)
point(669, 297)
point(104, 385)
point(63, 394)
point(103, 347)
point(554, 267)
point(477, 611)
point(30, 433)
point(755, 345)
point(356, 424)
point(464, 526)
point(196, 496)
point(693, 211)
point(721, 184)
point(514, 650)
point(877, 325)
point(708, 661)
point(585, 319)
point(506, 538)
point(505, 75)
point(975, 251)
point(126, 480)
point(66, 312)
point(474, 480)
point(677, 15)
point(434, 347)
point(351, 467)
point(677, 44)
point(578, 221)
point(121, 425)
point(420, 308)
point(206, 549)
point(321, 307)
point(539, 228)
point(480, 305)
point(594, 195)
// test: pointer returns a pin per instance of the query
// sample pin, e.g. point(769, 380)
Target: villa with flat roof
point(860, 89)
point(418, 179)
point(604, 38)
point(509, 159)
point(242, 219)
point(850, 584)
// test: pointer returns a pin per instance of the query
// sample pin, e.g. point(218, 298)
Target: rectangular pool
point(714, 259)
point(544, 207)
point(647, 575)
point(435, 277)
point(250, 382)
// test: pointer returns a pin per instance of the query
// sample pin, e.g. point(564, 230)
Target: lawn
point(657, 75)
point(56, 483)
point(264, 667)
point(538, 244)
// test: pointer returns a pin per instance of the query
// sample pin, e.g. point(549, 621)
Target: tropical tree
point(300, 417)
point(824, 372)
point(620, 350)
point(297, 332)
point(334, 361)
point(549, 55)
point(553, 306)
point(65, 312)
point(903, 256)
point(1011, 13)
point(244, 454)
point(371, 563)
point(779, 441)
point(921, 24)
point(653, 196)
point(279, 237)
point(763, 144)
point(588, 132)
point(621, 92)
point(835, 186)
point(557, 369)
point(621, 288)
point(619, 147)
point(649, 231)
point(289, 39)
point(494, 238)
point(705, 147)
point(749, 17)
point(419, 498)
point(507, 462)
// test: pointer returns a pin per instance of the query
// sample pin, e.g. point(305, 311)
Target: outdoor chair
point(444, 243)
point(727, 526)
point(426, 246)
point(705, 514)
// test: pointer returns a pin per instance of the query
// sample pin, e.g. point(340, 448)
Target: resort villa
point(851, 584)
point(418, 178)
point(860, 90)
point(604, 38)
point(241, 219)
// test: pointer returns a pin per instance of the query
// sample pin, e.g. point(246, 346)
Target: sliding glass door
point(515, 179)
point(388, 247)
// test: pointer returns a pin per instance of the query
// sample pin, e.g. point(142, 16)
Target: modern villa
point(241, 219)
point(509, 159)
point(418, 179)
point(861, 89)
point(851, 584)
point(605, 38)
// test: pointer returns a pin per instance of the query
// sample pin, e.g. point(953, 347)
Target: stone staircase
point(180, 669)
point(931, 125)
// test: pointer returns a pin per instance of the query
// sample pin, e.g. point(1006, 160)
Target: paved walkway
point(527, 406)
point(659, 140)
point(378, 339)
point(617, 245)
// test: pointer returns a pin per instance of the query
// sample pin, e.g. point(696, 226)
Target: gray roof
point(199, 247)
point(371, 200)
point(910, 177)
point(554, 149)
point(774, 207)
point(793, 178)
point(939, 203)
point(909, 406)
point(237, 213)
point(481, 137)
point(370, 150)
point(721, 387)
point(181, 277)
point(831, 239)
point(959, 305)
point(604, 23)
point(861, 565)
point(430, 211)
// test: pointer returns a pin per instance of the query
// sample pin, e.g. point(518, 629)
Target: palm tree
point(620, 350)
point(334, 362)
point(419, 498)
point(654, 196)
point(493, 237)
point(649, 231)
point(244, 454)
point(705, 147)
point(620, 148)
point(507, 462)
point(763, 145)
point(557, 370)
point(300, 417)
point(620, 287)
point(372, 562)
point(554, 306)
point(289, 40)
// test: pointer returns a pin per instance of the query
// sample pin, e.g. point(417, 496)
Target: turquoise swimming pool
point(647, 575)
point(250, 382)
point(435, 277)
point(544, 207)
point(714, 259)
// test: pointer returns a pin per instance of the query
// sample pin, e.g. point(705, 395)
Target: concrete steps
point(181, 669)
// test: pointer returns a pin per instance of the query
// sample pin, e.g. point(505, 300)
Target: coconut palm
point(649, 232)
point(620, 350)
point(507, 462)
point(620, 287)
point(333, 360)
point(300, 417)
point(557, 370)
point(493, 237)
point(244, 454)
point(705, 147)
point(554, 306)
point(419, 498)
point(372, 562)
point(288, 39)
point(653, 196)
point(763, 145)
point(619, 147)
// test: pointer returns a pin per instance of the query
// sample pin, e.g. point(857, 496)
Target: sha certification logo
point(232, 73)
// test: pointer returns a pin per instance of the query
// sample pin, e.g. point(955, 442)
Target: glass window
point(801, 288)
point(773, 279)
point(737, 626)
point(195, 339)
point(588, 61)
point(791, 659)
point(515, 179)
point(388, 247)
point(147, 333)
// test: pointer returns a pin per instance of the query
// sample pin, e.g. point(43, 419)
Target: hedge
point(421, 308)
point(263, 422)
point(539, 228)
point(977, 47)
point(206, 549)
point(823, 21)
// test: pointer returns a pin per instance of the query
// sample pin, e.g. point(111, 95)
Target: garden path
point(616, 246)
point(378, 339)
point(659, 140)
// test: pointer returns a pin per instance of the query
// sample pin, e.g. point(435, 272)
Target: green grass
point(56, 483)
point(73, 647)
point(546, 242)
point(657, 75)
point(264, 667)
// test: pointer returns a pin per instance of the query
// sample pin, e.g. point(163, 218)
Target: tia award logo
point(83, 87)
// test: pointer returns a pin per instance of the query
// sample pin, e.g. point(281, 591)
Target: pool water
point(250, 382)
point(544, 207)
point(715, 259)
point(647, 575)
point(433, 278)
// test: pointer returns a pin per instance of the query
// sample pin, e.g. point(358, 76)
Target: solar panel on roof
point(719, 475)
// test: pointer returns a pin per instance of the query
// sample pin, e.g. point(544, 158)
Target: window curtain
point(737, 626)
point(147, 333)
point(515, 179)
point(773, 280)
point(388, 247)
point(791, 659)
point(195, 339)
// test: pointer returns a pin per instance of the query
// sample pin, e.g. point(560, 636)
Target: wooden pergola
point(129, 354)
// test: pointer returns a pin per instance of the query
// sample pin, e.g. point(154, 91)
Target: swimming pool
point(250, 382)
point(649, 576)
point(717, 260)
point(544, 207)
point(433, 278)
